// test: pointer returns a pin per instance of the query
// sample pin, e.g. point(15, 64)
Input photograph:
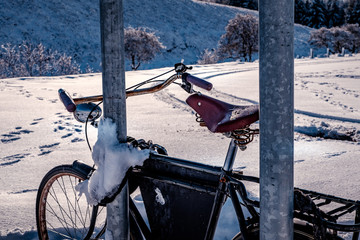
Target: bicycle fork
point(220, 198)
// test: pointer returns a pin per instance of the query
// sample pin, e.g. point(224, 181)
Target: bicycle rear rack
point(327, 210)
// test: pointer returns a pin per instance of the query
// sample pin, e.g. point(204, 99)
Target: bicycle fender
point(82, 167)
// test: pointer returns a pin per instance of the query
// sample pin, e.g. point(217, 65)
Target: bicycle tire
point(302, 231)
point(60, 212)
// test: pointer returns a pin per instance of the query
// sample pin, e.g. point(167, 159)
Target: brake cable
point(134, 86)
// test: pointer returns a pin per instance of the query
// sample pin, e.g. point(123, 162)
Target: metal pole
point(276, 119)
point(113, 73)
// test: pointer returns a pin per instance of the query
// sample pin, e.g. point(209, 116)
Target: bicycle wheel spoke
point(77, 202)
point(67, 213)
point(83, 220)
point(61, 211)
point(58, 204)
point(63, 188)
point(72, 208)
point(52, 229)
point(66, 196)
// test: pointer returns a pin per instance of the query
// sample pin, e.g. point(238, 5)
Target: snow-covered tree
point(9, 61)
point(62, 63)
point(335, 14)
point(140, 46)
point(307, 13)
point(353, 12)
point(208, 57)
point(340, 39)
point(250, 4)
point(240, 39)
point(226, 2)
point(320, 38)
point(334, 38)
point(354, 42)
point(29, 59)
point(300, 11)
point(317, 14)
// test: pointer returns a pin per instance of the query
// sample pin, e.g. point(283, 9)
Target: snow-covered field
point(36, 133)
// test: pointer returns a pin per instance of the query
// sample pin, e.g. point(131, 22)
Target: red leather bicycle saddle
point(221, 116)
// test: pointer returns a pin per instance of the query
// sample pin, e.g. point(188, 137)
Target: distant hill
point(185, 27)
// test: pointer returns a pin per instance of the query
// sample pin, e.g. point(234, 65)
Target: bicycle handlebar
point(130, 93)
point(197, 81)
point(67, 100)
point(70, 103)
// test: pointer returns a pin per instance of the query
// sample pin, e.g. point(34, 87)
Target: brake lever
point(187, 86)
point(180, 68)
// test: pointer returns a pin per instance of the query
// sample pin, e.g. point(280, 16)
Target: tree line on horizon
point(240, 40)
point(313, 13)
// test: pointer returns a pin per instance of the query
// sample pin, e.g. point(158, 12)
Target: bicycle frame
point(187, 183)
point(212, 184)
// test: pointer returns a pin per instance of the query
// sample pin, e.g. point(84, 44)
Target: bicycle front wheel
point(61, 213)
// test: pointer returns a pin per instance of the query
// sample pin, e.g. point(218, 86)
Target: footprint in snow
point(12, 159)
point(77, 140)
point(67, 135)
point(36, 121)
point(14, 135)
point(46, 149)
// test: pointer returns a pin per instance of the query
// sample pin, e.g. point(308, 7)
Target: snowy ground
point(36, 133)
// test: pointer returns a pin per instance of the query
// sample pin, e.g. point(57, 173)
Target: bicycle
point(182, 199)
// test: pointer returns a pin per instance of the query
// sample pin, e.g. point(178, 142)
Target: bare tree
point(337, 38)
point(208, 57)
point(354, 43)
point(9, 60)
point(28, 59)
point(321, 38)
point(140, 46)
point(340, 39)
point(240, 39)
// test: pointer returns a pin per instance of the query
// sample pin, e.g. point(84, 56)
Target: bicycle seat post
point(230, 156)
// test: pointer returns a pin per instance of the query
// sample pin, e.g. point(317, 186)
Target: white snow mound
point(112, 160)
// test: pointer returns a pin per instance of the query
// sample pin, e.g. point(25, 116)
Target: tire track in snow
point(328, 117)
point(169, 98)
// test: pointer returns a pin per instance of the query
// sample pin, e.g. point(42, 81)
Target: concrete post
point(113, 73)
point(276, 119)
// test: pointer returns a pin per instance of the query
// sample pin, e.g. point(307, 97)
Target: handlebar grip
point(67, 100)
point(197, 81)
